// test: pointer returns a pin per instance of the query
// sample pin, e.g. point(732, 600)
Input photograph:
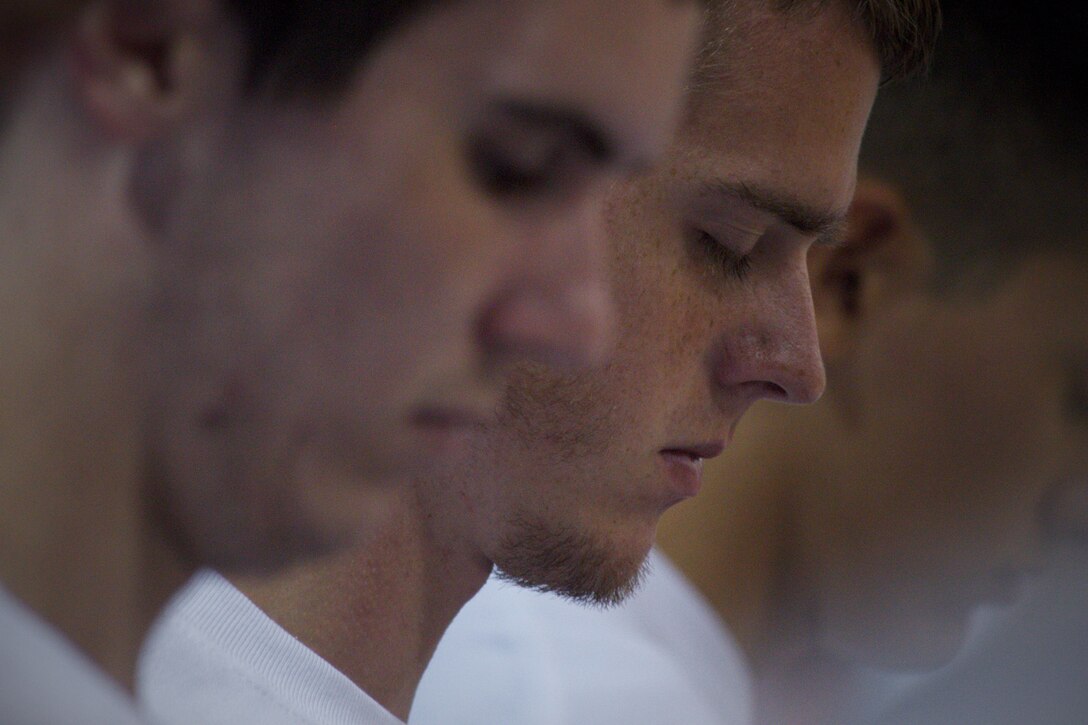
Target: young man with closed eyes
point(863, 532)
point(707, 262)
point(257, 250)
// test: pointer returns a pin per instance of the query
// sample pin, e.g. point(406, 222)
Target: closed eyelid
point(735, 222)
point(559, 123)
point(740, 234)
point(827, 226)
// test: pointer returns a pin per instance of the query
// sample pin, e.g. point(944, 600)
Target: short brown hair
point(903, 32)
point(313, 47)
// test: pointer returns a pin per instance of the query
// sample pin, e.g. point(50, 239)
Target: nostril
point(774, 391)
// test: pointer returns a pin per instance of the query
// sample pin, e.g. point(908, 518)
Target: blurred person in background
point(1025, 664)
point(256, 249)
point(864, 532)
point(563, 492)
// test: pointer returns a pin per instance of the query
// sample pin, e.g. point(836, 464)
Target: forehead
point(784, 103)
point(618, 63)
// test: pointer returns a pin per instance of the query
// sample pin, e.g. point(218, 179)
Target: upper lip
point(709, 449)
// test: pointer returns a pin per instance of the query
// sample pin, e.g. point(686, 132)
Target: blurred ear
point(144, 65)
point(882, 257)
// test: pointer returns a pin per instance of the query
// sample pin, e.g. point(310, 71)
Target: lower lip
point(685, 472)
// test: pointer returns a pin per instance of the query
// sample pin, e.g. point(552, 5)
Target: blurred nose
point(775, 353)
point(559, 309)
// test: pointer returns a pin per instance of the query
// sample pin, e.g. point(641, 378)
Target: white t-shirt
point(45, 680)
point(214, 657)
point(514, 656)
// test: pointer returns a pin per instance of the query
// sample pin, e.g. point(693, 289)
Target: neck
point(377, 612)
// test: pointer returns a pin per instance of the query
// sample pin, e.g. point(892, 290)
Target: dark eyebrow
point(582, 130)
point(828, 226)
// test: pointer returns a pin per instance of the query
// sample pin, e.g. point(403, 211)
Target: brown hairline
point(903, 32)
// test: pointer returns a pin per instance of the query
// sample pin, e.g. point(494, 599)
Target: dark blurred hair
point(23, 24)
point(991, 150)
point(295, 46)
point(308, 46)
point(313, 47)
point(903, 32)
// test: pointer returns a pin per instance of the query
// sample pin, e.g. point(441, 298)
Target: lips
point(445, 431)
point(684, 466)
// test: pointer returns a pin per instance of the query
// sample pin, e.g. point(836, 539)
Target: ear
point(882, 257)
point(143, 65)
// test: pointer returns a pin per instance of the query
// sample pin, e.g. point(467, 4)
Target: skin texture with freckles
point(697, 345)
point(565, 489)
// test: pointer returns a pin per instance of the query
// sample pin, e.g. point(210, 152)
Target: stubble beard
point(545, 557)
point(556, 420)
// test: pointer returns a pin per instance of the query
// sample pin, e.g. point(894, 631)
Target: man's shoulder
point(215, 657)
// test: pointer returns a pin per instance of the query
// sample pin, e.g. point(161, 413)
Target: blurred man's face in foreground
point(707, 257)
point(345, 280)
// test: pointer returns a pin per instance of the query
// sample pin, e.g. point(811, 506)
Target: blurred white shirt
point(515, 656)
point(215, 658)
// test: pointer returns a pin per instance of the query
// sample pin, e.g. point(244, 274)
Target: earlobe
point(883, 256)
point(142, 65)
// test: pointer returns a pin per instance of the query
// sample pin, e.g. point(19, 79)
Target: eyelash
point(724, 259)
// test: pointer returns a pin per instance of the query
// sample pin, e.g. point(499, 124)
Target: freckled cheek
point(664, 318)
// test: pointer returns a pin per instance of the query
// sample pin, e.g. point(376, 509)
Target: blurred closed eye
point(524, 148)
point(503, 171)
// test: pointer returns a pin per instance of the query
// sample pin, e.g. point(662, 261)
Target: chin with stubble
point(546, 557)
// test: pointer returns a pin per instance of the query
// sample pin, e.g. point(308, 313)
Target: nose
point(559, 310)
point(774, 352)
